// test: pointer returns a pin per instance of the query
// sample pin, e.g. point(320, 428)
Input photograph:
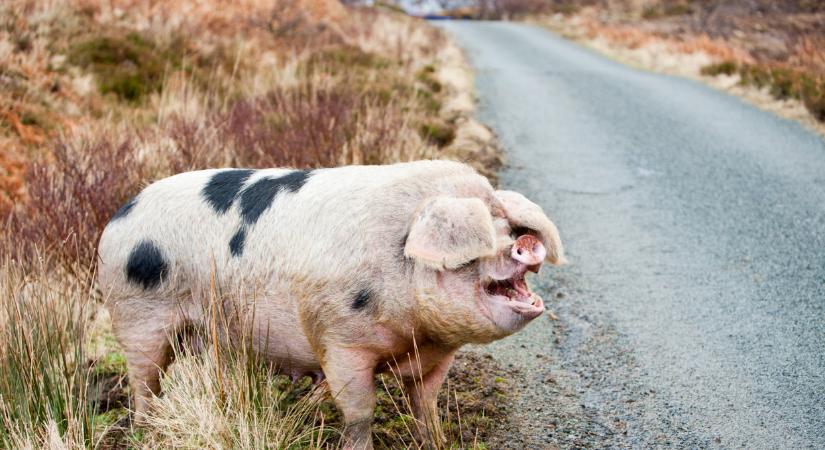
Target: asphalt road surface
point(692, 313)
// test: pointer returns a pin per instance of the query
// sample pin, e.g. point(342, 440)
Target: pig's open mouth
point(516, 293)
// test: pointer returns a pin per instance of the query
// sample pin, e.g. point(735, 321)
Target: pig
point(349, 270)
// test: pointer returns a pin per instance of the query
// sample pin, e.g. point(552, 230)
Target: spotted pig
point(335, 272)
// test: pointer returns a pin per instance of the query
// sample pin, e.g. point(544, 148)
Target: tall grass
point(102, 97)
point(43, 372)
point(229, 399)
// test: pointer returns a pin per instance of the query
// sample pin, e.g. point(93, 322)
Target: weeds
point(72, 195)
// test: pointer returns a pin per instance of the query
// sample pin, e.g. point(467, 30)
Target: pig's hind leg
point(147, 346)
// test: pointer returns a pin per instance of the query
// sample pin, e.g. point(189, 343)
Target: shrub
point(785, 83)
point(782, 82)
point(814, 99)
point(72, 194)
point(127, 65)
point(439, 133)
point(755, 75)
point(728, 67)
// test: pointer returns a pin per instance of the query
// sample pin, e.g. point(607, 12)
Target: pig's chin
point(509, 302)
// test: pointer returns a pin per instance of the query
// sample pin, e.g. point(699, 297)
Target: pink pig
point(346, 270)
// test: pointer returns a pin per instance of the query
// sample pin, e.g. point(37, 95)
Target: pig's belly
point(279, 337)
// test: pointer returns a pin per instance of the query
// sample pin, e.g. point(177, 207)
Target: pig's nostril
point(520, 251)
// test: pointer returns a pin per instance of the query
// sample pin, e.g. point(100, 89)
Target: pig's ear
point(447, 232)
point(524, 213)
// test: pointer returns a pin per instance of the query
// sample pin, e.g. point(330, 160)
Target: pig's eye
point(467, 264)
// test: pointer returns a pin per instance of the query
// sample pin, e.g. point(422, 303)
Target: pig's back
point(269, 224)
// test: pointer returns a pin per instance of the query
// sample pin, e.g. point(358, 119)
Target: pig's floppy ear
point(447, 232)
point(524, 213)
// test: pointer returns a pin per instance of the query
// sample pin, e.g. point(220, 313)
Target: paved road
point(693, 311)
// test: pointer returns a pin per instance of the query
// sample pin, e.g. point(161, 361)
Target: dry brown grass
point(99, 98)
point(142, 89)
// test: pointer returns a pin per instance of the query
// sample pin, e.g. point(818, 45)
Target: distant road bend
point(693, 311)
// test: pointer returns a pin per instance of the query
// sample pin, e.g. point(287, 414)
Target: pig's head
point(472, 256)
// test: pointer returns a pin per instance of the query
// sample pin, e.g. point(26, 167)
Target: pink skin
point(528, 250)
point(505, 298)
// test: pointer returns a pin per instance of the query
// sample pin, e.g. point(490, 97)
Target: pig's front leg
point(350, 376)
point(423, 392)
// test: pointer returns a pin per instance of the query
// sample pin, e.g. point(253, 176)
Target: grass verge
point(99, 98)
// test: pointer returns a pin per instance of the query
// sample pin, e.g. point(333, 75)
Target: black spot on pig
point(124, 210)
point(362, 300)
point(223, 188)
point(146, 266)
point(256, 198)
point(237, 242)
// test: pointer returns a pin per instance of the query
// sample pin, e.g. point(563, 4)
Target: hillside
point(100, 97)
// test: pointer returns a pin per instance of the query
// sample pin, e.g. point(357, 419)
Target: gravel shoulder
point(692, 312)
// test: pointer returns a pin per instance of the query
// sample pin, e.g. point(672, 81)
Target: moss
point(112, 363)
point(107, 419)
point(439, 133)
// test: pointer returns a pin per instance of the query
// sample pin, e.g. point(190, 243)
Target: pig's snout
point(528, 250)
